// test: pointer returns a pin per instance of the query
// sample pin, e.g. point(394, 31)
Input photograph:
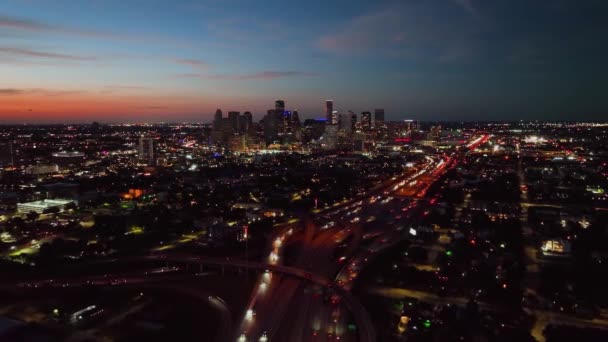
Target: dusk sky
point(153, 60)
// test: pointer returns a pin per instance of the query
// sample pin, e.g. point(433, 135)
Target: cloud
point(43, 28)
point(29, 25)
point(425, 30)
point(11, 91)
point(262, 75)
point(467, 5)
point(17, 51)
point(376, 30)
point(23, 24)
point(38, 91)
point(193, 63)
point(119, 86)
point(153, 107)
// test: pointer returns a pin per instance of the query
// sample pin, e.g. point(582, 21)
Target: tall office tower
point(271, 126)
point(279, 112)
point(379, 117)
point(279, 107)
point(329, 112)
point(245, 122)
point(409, 127)
point(146, 151)
point(353, 121)
point(234, 121)
point(330, 137)
point(366, 121)
point(217, 120)
point(344, 123)
point(295, 120)
point(286, 122)
point(334, 117)
point(296, 126)
point(7, 156)
point(216, 128)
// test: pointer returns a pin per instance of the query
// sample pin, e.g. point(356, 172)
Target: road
point(317, 320)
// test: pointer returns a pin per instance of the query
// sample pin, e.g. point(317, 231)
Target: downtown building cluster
point(281, 128)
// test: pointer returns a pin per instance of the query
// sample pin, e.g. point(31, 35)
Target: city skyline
point(159, 61)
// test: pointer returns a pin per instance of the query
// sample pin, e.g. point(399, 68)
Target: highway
point(344, 223)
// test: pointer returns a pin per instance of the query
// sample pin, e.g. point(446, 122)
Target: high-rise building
point(286, 122)
point(344, 122)
point(410, 126)
point(216, 128)
point(366, 121)
point(245, 122)
point(279, 107)
point(434, 133)
point(330, 137)
point(7, 154)
point(234, 121)
point(271, 126)
point(329, 113)
point(379, 117)
point(217, 120)
point(146, 151)
point(353, 121)
point(295, 120)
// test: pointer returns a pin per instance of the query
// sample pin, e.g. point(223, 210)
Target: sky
point(161, 60)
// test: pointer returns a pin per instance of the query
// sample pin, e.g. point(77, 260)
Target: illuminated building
point(146, 151)
point(329, 113)
point(330, 137)
point(37, 170)
point(410, 126)
point(556, 247)
point(245, 122)
point(68, 158)
point(41, 206)
point(271, 126)
point(366, 121)
point(379, 117)
point(279, 107)
point(234, 121)
point(353, 121)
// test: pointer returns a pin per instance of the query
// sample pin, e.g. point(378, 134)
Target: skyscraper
point(344, 122)
point(279, 107)
point(271, 126)
point(353, 121)
point(146, 151)
point(286, 122)
point(366, 121)
point(329, 112)
point(410, 126)
point(245, 122)
point(295, 120)
point(379, 117)
point(218, 115)
point(234, 121)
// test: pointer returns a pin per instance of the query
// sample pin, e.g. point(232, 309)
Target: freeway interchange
point(306, 296)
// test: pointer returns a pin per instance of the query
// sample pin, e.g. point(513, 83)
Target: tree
point(52, 210)
point(70, 206)
point(32, 216)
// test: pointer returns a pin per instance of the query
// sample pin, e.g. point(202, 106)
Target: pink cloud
point(16, 51)
point(262, 75)
point(193, 63)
